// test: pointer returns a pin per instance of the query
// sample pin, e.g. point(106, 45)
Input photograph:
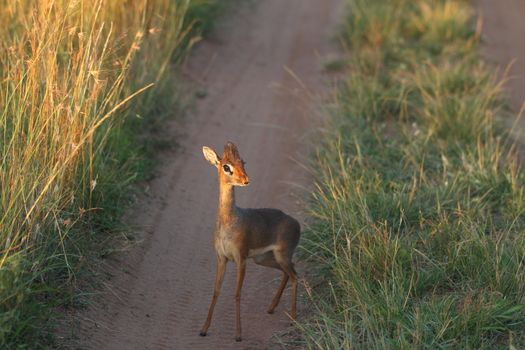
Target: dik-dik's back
point(270, 227)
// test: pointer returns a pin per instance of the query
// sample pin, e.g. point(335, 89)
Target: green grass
point(75, 99)
point(418, 219)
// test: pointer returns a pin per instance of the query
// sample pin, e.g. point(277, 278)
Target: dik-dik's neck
point(226, 202)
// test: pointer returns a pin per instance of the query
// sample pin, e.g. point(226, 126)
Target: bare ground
point(503, 43)
point(160, 291)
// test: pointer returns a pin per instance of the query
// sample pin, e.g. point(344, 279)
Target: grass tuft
point(418, 214)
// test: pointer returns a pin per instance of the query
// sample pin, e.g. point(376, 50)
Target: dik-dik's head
point(230, 166)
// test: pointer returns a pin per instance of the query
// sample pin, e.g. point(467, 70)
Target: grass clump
point(73, 77)
point(419, 212)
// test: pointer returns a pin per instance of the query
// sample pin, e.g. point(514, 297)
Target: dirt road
point(503, 36)
point(160, 292)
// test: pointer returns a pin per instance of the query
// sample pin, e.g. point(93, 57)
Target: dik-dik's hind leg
point(221, 268)
point(267, 259)
point(288, 267)
point(278, 294)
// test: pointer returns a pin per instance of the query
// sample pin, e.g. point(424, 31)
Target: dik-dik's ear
point(211, 156)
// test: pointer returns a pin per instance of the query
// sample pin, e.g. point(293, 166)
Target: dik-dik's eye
point(227, 169)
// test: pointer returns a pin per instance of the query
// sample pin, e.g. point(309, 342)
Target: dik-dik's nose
point(246, 181)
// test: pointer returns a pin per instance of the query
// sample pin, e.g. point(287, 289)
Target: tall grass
point(70, 72)
point(419, 214)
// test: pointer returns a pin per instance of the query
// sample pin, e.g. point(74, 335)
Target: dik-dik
point(269, 236)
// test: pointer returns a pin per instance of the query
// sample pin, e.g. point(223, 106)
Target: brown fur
point(269, 236)
point(231, 154)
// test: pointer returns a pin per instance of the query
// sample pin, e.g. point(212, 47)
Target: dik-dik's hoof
point(238, 338)
point(202, 334)
point(270, 311)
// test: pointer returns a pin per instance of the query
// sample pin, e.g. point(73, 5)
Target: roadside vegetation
point(79, 80)
point(418, 218)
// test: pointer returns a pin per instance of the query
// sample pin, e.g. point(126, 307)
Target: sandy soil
point(503, 43)
point(160, 291)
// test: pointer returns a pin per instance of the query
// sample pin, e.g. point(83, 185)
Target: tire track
point(503, 44)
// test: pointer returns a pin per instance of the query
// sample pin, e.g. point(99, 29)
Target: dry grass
point(68, 71)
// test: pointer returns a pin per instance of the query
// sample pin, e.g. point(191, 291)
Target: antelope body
point(269, 236)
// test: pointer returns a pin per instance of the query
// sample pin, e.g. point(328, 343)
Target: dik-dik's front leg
point(241, 270)
point(221, 268)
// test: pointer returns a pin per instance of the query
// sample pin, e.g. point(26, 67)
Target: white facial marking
point(228, 169)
